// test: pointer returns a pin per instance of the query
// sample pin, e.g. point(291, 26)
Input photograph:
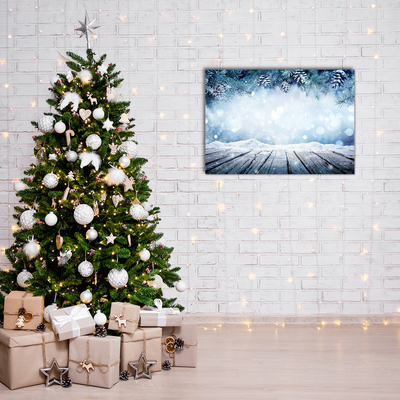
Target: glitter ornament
point(45, 124)
point(144, 255)
point(86, 296)
point(48, 310)
point(50, 180)
point(85, 76)
point(138, 212)
point(180, 286)
point(32, 248)
point(91, 234)
point(98, 113)
point(118, 278)
point(85, 268)
point(51, 219)
point(19, 186)
point(23, 277)
point(27, 220)
point(83, 214)
point(124, 161)
point(60, 127)
point(129, 148)
point(100, 318)
point(115, 176)
point(71, 156)
point(93, 141)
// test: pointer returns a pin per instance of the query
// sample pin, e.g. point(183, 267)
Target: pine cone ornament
point(179, 343)
point(338, 78)
point(124, 375)
point(217, 91)
point(21, 311)
point(299, 75)
point(264, 80)
point(100, 331)
point(285, 87)
point(66, 383)
point(166, 365)
point(41, 327)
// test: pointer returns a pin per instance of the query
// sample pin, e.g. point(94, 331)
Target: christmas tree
point(86, 232)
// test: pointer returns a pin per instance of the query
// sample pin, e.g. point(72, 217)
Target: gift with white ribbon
point(159, 316)
point(72, 322)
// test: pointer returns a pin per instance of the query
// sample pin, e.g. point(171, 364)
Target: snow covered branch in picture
point(279, 121)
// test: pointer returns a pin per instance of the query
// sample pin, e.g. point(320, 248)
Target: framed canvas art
point(279, 121)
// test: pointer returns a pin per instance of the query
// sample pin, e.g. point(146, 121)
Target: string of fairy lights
point(367, 268)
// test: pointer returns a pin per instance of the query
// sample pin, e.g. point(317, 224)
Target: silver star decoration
point(110, 238)
point(113, 147)
point(87, 27)
point(52, 157)
point(124, 119)
point(108, 125)
point(102, 68)
point(128, 184)
point(46, 372)
point(146, 373)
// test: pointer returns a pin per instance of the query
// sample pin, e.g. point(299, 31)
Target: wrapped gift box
point(145, 341)
point(34, 307)
point(124, 317)
point(187, 356)
point(159, 316)
point(71, 322)
point(23, 353)
point(94, 361)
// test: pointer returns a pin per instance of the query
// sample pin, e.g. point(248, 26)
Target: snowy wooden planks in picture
point(279, 121)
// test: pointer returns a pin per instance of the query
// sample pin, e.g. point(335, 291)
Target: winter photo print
point(284, 121)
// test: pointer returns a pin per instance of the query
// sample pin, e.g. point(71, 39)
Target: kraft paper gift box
point(23, 353)
point(145, 341)
point(159, 316)
point(124, 317)
point(71, 322)
point(34, 307)
point(94, 361)
point(186, 357)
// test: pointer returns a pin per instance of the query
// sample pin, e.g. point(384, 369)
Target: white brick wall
point(277, 245)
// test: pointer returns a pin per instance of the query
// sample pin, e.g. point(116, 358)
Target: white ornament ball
point(54, 80)
point(83, 214)
point(98, 113)
point(100, 318)
point(93, 141)
point(115, 176)
point(45, 124)
point(180, 286)
point(144, 255)
point(85, 268)
point(124, 161)
point(91, 234)
point(48, 310)
point(118, 278)
point(19, 186)
point(85, 76)
point(129, 148)
point(50, 180)
point(31, 249)
point(71, 156)
point(51, 219)
point(60, 127)
point(86, 296)
point(138, 212)
point(27, 220)
point(22, 277)
point(157, 283)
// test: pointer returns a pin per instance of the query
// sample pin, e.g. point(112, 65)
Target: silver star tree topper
point(86, 27)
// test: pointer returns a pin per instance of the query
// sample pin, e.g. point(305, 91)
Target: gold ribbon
point(126, 319)
point(90, 366)
point(45, 365)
